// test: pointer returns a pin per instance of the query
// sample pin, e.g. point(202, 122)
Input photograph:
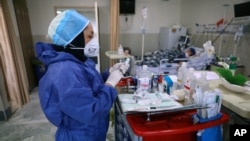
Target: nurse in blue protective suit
point(74, 96)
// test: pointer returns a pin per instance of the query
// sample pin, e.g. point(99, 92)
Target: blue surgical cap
point(66, 26)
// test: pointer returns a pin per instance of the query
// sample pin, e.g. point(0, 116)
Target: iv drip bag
point(144, 12)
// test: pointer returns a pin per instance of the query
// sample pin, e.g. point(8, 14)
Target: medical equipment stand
point(143, 30)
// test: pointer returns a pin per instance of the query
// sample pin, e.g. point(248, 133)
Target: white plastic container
point(189, 84)
point(144, 79)
point(203, 82)
point(181, 74)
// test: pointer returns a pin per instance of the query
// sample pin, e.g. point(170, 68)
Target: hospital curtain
point(114, 26)
point(12, 60)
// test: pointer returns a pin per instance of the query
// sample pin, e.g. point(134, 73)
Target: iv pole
point(237, 36)
point(143, 30)
point(221, 37)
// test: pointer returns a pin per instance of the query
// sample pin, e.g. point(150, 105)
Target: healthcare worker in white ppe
point(74, 96)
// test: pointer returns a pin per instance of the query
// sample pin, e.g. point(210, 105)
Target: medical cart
point(160, 126)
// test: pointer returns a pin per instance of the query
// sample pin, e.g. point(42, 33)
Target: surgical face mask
point(92, 48)
point(186, 54)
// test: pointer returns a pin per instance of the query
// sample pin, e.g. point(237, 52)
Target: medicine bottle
point(189, 84)
point(120, 50)
point(144, 79)
point(203, 82)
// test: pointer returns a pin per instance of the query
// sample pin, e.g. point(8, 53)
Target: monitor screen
point(242, 9)
point(127, 6)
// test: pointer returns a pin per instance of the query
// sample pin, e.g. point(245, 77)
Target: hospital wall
point(160, 13)
point(207, 13)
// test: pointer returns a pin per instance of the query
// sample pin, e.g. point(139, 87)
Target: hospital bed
point(163, 68)
point(166, 61)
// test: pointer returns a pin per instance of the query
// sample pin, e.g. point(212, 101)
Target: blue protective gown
point(73, 96)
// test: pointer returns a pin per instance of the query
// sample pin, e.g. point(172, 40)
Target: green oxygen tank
point(232, 65)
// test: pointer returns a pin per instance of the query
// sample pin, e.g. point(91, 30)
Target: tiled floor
point(30, 124)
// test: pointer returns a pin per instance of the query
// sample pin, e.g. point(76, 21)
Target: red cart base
point(170, 126)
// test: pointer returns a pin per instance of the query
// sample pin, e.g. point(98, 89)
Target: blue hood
point(47, 55)
point(73, 96)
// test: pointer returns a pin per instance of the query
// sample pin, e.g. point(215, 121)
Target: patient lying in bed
point(188, 53)
point(201, 60)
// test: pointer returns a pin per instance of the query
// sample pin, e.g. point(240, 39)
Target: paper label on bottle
point(144, 83)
